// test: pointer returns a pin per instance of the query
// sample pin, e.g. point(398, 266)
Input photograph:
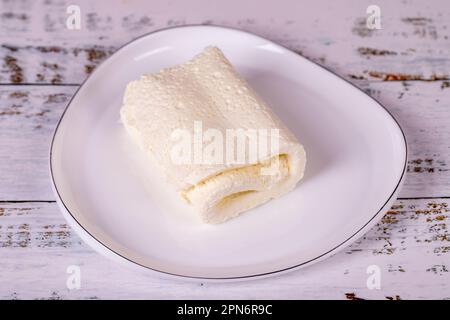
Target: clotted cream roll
point(217, 142)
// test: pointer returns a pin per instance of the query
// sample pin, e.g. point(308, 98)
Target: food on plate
point(215, 140)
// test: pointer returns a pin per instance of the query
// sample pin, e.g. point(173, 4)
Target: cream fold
point(207, 89)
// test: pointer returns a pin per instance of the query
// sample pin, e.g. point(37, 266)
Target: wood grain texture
point(405, 65)
point(412, 44)
point(411, 246)
point(28, 116)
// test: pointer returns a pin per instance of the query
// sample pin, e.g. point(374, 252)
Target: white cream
point(208, 89)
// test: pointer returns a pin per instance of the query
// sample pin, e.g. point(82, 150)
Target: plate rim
point(111, 253)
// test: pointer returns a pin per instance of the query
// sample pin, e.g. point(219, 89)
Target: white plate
point(356, 159)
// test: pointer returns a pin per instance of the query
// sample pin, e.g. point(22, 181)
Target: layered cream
point(207, 89)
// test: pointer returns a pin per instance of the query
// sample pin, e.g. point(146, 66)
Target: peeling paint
point(365, 51)
point(16, 72)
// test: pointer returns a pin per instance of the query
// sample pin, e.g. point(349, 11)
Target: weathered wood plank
point(28, 116)
point(423, 111)
point(413, 44)
point(411, 243)
point(411, 246)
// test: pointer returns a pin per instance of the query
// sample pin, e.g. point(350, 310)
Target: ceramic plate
point(356, 155)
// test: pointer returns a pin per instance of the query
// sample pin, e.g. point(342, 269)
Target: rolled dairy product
point(215, 174)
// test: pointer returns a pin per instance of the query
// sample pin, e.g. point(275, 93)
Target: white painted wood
point(413, 43)
point(410, 246)
point(28, 116)
point(423, 111)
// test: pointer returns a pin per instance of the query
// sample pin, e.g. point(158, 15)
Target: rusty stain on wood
point(434, 208)
point(50, 70)
point(180, 21)
point(352, 296)
point(365, 51)
point(24, 236)
point(51, 66)
point(56, 98)
point(441, 250)
point(393, 269)
point(20, 105)
point(42, 112)
point(18, 95)
point(31, 231)
point(356, 77)
point(53, 55)
point(396, 77)
point(417, 21)
point(89, 68)
point(434, 215)
point(438, 269)
point(48, 49)
point(14, 16)
point(57, 79)
point(10, 113)
point(9, 47)
point(426, 165)
point(423, 27)
point(445, 84)
point(438, 218)
point(16, 72)
point(133, 22)
point(96, 54)
point(388, 218)
point(385, 76)
point(396, 297)
point(360, 28)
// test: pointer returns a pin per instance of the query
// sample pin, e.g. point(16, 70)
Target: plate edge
point(321, 257)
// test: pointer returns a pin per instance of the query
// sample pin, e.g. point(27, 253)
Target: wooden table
point(406, 65)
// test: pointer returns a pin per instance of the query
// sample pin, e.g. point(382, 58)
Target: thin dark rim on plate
point(334, 249)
